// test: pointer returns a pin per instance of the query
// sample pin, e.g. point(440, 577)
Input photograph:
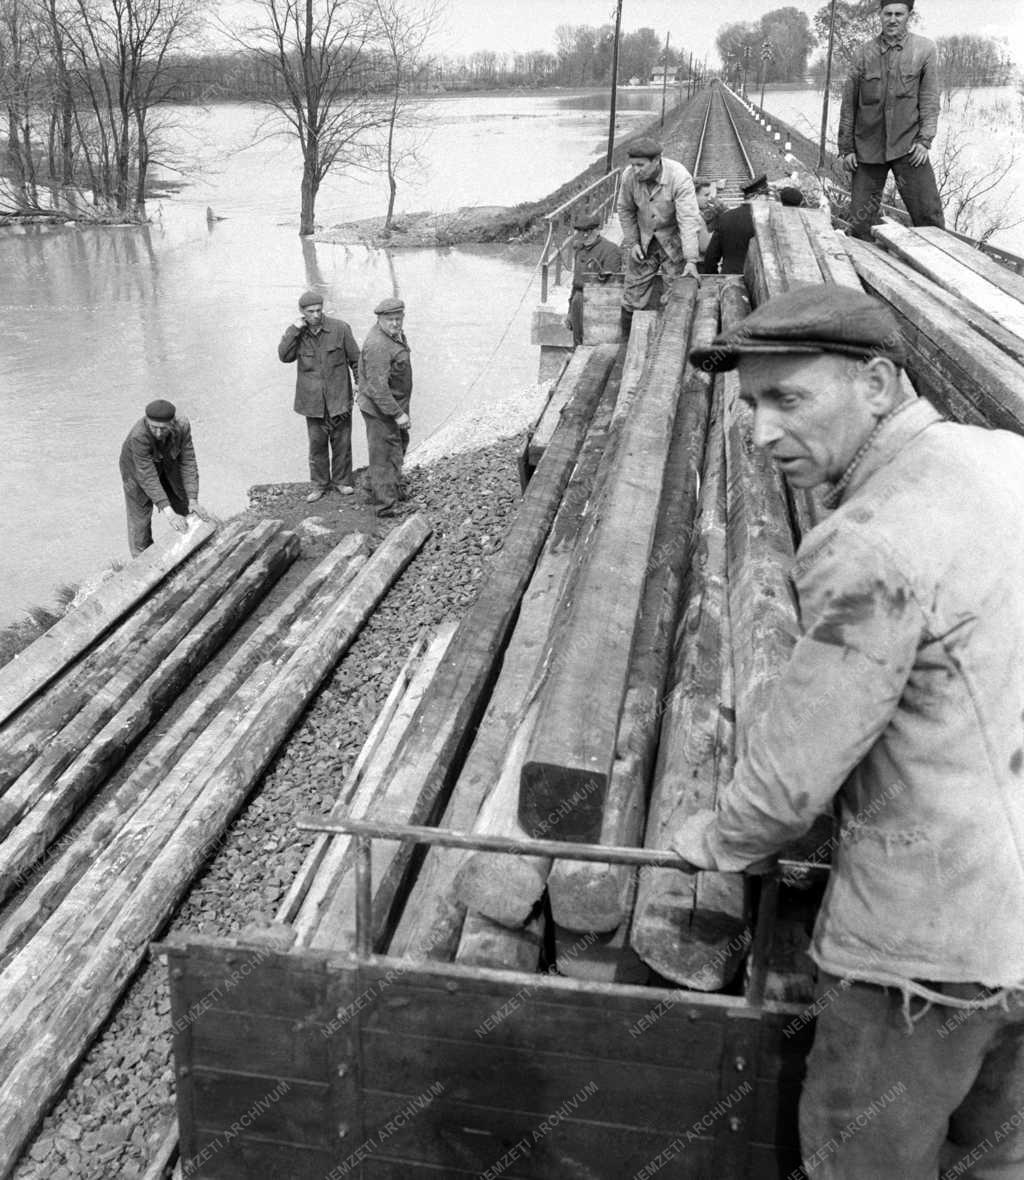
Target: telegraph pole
point(766, 56)
point(664, 81)
point(828, 84)
point(746, 66)
point(615, 79)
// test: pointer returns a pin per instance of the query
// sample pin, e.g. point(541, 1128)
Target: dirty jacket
point(156, 466)
point(385, 375)
point(323, 361)
point(904, 700)
point(601, 259)
point(885, 111)
point(667, 211)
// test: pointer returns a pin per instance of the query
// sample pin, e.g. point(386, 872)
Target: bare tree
point(403, 27)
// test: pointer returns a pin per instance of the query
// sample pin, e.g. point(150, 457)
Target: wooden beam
point(1008, 281)
point(22, 677)
point(488, 944)
point(573, 749)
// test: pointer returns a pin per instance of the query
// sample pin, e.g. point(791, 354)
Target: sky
point(512, 25)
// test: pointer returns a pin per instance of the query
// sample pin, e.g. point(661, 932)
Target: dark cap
point(811, 318)
point(644, 148)
point(311, 299)
point(389, 306)
point(908, 3)
point(790, 195)
point(758, 185)
point(586, 221)
point(702, 182)
point(161, 411)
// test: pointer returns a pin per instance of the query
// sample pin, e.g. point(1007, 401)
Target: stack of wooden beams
point(79, 928)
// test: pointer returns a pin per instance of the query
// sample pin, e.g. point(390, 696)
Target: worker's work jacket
point(323, 360)
point(890, 99)
point(156, 465)
point(385, 375)
point(903, 701)
point(598, 260)
point(666, 210)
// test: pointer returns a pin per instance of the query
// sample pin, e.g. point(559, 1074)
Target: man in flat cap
point(325, 355)
point(158, 468)
point(595, 259)
point(730, 240)
point(660, 224)
point(385, 389)
point(887, 121)
point(900, 710)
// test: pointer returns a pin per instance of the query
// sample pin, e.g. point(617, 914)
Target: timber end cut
point(563, 799)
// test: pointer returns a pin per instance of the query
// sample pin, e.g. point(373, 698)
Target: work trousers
point(899, 1090)
point(139, 509)
point(330, 450)
point(387, 445)
point(575, 316)
point(643, 287)
point(917, 188)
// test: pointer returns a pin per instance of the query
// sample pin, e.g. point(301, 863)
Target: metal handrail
point(600, 198)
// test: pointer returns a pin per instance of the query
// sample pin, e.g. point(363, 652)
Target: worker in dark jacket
point(385, 390)
point(595, 259)
point(730, 240)
point(888, 119)
point(325, 353)
point(158, 468)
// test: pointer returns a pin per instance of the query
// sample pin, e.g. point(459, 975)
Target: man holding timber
point(594, 258)
point(385, 390)
point(325, 356)
point(660, 224)
point(158, 468)
point(888, 119)
point(901, 708)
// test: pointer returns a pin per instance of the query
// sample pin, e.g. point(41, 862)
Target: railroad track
point(720, 153)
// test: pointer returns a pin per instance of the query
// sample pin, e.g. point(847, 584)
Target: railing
point(599, 198)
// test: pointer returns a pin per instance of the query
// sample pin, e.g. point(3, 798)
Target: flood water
point(97, 322)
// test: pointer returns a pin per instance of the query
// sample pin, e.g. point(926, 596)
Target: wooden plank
point(588, 896)
point(948, 272)
point(941, 331)
point(487, 944)
point(25, 675)
point(573, 748)
point(565, 390)
point(1006, 280)
point(607, 957)
point(219, 1156)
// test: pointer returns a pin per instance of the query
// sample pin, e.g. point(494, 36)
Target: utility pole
point(615, 79)
point(664, 81)
point(766, 56)
point(746, 66)
point(689, 76)
point(828, 84)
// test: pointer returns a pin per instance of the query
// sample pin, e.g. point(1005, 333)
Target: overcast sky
point(530, 24)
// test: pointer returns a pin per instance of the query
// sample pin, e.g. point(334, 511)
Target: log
point(487, 944)
point(1006, 280)
point(588, 896)
point(948, 272)
point(573, 748)
point(432, 919)
point(213, 614)
point(690, 928)
point(599, 958)
point(29, 731)
point(48, 1033)
point(565, 390)
point(32, 669)
point(952, 361)
point(51, 881)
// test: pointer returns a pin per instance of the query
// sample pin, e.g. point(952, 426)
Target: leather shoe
point(346, 489)
point(316, 494)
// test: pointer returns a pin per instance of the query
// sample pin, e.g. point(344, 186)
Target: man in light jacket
point(661, 223)
point(888, 118)
point(385, 390)
point(325, 355)
point(901, 708)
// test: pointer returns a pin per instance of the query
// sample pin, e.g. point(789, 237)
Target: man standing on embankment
point(385, 390)
point(888, 119)
point(158, 468)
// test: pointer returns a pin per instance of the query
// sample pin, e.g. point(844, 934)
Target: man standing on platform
point(887, 122)
point(660, 225)
point(594, 257)
point(158, 468)
point(325, 354)
point(899, 712)
point(385, 389)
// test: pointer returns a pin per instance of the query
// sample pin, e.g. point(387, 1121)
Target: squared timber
point(304, 1064)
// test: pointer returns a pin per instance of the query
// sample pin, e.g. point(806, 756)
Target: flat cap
point(161, 411)
point(810, 318)
point(791, 195)
point(758, 185)
point(644, 148)
point(586, 221)
point(311, 299)
point(389, 306)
